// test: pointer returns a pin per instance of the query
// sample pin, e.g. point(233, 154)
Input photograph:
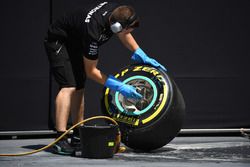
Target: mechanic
point(72, 45)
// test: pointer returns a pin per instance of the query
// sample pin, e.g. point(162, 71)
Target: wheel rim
point(144, 86)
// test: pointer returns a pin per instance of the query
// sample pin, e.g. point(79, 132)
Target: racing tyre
point(153, 121)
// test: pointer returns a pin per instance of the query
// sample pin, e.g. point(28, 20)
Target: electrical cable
point(120, 149)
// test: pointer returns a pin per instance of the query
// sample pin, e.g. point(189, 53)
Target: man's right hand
point(127, 91)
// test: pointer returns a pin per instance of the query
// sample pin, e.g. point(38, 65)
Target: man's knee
point(68, 90)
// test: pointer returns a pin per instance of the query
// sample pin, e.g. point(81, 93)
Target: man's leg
point(77, 115)
point(63, 106)
point(67, 67)
point(77, 106)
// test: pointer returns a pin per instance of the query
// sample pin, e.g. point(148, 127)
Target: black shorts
point(66, 63)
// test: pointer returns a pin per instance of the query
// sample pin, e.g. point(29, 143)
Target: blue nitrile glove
point(127, 91)
point(140, 56)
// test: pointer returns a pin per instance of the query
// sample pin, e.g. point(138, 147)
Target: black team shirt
point(87, 27)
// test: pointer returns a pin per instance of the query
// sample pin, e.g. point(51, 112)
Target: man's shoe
point(63, 147)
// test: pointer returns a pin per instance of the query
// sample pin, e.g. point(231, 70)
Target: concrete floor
point(182, 151)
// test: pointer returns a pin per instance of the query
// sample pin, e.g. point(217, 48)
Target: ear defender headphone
point(118, 26)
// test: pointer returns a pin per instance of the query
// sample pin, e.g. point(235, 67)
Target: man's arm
point(128, 41)
point(110, 82)
point(92, 72)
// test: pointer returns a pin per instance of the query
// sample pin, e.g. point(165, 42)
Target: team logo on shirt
point(93, 48)
point(92, 11)
point(104, 14)
point(103, 37)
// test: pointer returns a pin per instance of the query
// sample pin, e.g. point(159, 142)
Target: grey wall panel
point(204, 45)
point(24, 72)
point(24, 106)
point(216, 102)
